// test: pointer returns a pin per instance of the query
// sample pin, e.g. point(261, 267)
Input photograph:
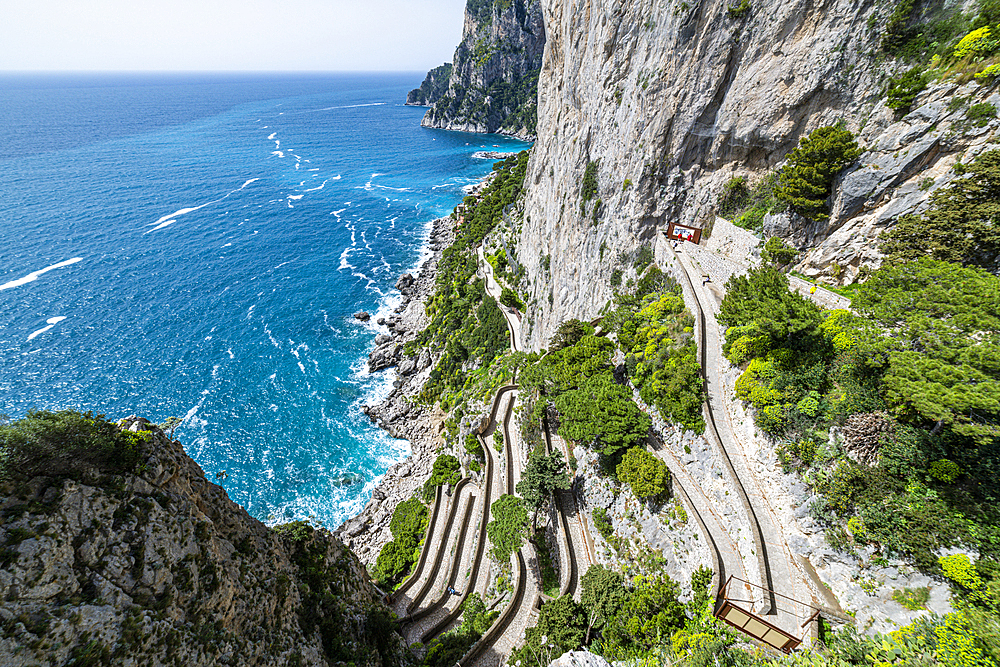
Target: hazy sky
point(244, 35)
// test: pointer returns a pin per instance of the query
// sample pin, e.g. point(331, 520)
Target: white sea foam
point(344, 264)
point(278, 153)
point(231, 355)
point(272, 135)
point(33, 276)
point(296, 197)
point(170, 219)
point(227, 245)
point(52, 321)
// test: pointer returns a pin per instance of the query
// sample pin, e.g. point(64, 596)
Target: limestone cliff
point(159, 567)
point(493, 85)
point(435, 85)
point(669, 100)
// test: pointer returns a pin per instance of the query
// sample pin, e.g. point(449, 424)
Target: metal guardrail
point(424, 552)
point(758, 535)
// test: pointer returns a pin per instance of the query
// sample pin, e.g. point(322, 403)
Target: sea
point(195, 246)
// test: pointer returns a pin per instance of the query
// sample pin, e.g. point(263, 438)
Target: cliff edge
point(494, 81)
point(115, 549)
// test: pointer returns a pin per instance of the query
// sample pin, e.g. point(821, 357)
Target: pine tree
point(805, 181)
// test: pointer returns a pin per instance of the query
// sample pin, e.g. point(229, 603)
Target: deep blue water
point(195, 246)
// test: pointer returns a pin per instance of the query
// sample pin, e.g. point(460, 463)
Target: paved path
point(781, 571)
point(494, 290)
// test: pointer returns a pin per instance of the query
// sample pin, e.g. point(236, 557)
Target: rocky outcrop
point(668, 101)
point(493, 86)
point(435, 85)
point(400, 414)
point(161, 568)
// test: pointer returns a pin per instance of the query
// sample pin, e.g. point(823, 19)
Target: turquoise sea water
point(195, 246)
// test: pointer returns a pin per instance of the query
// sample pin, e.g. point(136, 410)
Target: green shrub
point(738, 10)
point(977, 43)
point(509, 527)
point(396, 559)
point(902, 90)
point(509, 298)
point(913, 599)
point(778, 252)
point(981, 114)
point(67, 442)
point(734, 196)
point(945, 471)
point(643, 258)
point(806, 179)
point(588, 185)
point(646, 475)
point(959, 225)
point(446, 471)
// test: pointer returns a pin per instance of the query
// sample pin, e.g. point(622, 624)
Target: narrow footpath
point(790, 599)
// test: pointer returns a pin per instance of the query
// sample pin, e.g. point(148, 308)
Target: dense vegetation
point(805, 181)
point(509, 527)
point(447, 649)
point(409, 521)
point(67, 442)
point(662, 356)
point(645, 474)
point(543, 476)
point(912, 382)
point(962, 224)
point(466, 323)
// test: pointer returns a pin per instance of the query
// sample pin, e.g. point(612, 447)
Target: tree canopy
point(760, 305)
point(936, 326)
point(602, 413)
point(541, 477)
point(962, 224)
point(645, 474)
point(602, 594)
point(806, 179)
point(509, 527)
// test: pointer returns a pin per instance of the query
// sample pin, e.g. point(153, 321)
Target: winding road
point(788, 597)
point(453, 555)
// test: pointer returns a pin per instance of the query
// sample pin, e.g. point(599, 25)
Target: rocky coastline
point(400, 414)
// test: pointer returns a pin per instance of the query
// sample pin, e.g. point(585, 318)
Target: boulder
point(362, 315)
point(384, 357)
point(408, 366)
point(405, 281)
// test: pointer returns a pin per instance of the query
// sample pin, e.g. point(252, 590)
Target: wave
point(344, 264)
point(170, 219)
point(295, 197)
point(33, 276)
point(52, 321)
point(272, 135)
point(346, 106)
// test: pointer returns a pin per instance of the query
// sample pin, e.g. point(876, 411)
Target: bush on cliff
point(645, 474)
point(67, 442)
point(409, 521)
point(962, 224)
point(806, 179)
point(465, 322)
point(509, 527)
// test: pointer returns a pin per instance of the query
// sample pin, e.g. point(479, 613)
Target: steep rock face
point(161, 568)
point(493, 85)
point(435, 85)
point(669, 100)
